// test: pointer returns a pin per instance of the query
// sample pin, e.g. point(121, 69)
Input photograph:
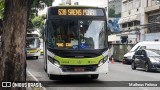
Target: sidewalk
point(30, 77)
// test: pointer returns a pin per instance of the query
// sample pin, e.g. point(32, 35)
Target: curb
point(31, 77)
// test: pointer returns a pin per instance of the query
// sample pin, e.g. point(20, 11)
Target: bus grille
point(72, 68)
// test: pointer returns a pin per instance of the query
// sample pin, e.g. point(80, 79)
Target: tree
point(37, 5)
point(1, 14)
point(38, 23)
point(111, 13)
point(12, 60)
point(1, 8)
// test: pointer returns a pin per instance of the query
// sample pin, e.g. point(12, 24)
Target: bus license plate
point(78, 69)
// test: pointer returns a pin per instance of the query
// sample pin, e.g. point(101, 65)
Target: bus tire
point(36, 57)
point(94, 76)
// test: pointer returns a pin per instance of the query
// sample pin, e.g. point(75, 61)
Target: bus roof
point(79, 6)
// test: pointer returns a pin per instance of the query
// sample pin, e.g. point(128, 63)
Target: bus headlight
point(103, 61)
point(56, 63)
point(53, 61)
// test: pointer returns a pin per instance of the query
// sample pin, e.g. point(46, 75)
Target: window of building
point(136, 23)
point(124, 25)
point(147, 3)
point(130, 5)
point(130, 24)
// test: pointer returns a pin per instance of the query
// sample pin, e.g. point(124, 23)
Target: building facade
point(152, 18)
point(140, 18)
point(116, 5)
point(114, 14)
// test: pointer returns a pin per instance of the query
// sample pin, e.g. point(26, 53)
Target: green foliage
point(1, 8)
point(30, 25)
point(38, 21)
point(111, 13)
point(1, 14)
point(35, 20)
point(39, 4)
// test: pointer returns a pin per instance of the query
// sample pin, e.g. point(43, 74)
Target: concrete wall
point(150, 37)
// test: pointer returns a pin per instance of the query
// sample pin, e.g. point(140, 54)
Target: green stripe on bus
point(78, 61)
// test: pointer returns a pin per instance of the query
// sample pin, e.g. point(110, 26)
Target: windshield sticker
point(69, 45)
point(74, 42)
point(83, 45)
point(75, 46)
point(60, 44)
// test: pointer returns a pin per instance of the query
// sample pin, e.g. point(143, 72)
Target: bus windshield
point(77, 34)
point(32, 43)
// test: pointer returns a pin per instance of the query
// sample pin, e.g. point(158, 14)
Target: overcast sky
point(81, 2)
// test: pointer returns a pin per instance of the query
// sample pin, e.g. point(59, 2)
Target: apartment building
point(152, 19)
point(140, 18)
point(103, 3)
point(116, 5)
point(131, 15)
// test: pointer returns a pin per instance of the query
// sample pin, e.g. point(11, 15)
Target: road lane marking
point(35, 79)
point(143, 88)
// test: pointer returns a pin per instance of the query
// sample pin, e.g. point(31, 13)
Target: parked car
point(149, 59)
point(128, 57)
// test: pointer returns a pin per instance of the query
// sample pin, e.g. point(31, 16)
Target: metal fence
point(118, 50)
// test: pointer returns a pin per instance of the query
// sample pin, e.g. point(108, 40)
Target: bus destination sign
point(87, 12)
point(76, 12)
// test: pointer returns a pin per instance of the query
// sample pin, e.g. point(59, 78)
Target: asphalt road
point(118, 78)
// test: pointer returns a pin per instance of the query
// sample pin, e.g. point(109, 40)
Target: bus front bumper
point(52, 69)
point(33, 54)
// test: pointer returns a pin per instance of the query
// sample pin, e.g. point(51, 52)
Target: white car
point(128, 57)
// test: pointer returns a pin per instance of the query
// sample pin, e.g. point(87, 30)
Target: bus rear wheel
point(94, 76)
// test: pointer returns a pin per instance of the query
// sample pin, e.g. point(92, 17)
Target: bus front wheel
point(53, 77)
point(36, 57)
point(94, 76)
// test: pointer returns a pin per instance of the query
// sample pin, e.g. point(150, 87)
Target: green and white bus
point(33, 45)
point(75, 41)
